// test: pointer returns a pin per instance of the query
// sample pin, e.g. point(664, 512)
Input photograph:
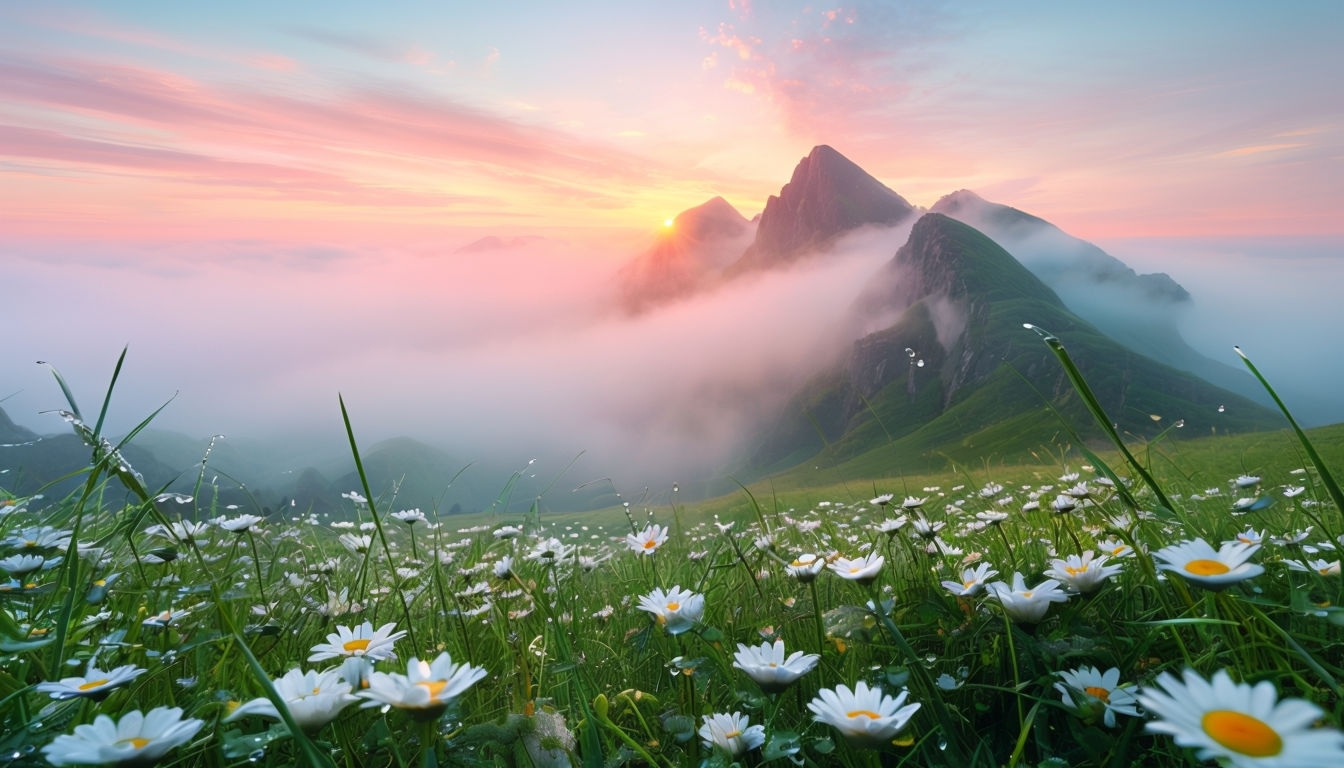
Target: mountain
point(827, 196)
point(46, 464)
point(939, 383)
point(1140, 311)
point(687, 256)
point(13, 434)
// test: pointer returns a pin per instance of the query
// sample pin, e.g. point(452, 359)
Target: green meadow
point(1099, 603)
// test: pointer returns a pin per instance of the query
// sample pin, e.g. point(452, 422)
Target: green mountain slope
point(939, 384)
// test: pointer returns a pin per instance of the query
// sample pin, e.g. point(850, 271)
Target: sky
point(265, 201)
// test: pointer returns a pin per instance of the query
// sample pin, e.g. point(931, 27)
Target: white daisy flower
point(1086, 688)
point(1023, 604)
point(1199, 564)
point(1240, 724)
point(767, 665)
point(648, 540)
point(676, 610)
point(733, 734)
point(95, 684)
point(1083, 574)
point(135, 739)
point(862, 569)
point(425, 690)
point(972, 580)
point(313, 698)
point(362, 640)
point(866, 717)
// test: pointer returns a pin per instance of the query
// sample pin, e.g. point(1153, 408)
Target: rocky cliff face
point(827, 196)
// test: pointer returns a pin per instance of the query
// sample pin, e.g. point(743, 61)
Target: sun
point(668, 222)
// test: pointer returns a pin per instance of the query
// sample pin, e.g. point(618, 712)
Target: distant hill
point(938, 383)
point(495, 243)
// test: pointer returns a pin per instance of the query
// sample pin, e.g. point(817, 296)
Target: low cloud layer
point(509, 353)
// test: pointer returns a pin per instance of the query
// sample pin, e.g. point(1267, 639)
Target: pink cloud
point(377, 144)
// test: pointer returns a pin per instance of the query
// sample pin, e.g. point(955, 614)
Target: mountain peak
point(827, 196)
point(686, 256)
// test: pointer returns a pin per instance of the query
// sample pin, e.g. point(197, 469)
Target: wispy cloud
point(371, 143)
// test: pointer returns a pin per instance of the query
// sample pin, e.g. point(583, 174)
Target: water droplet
point(36, 725)
point(919, 364)
point(909, 352)
point(942, 742)
point(1180, 423)
point(1221, 409)
point(256, 756)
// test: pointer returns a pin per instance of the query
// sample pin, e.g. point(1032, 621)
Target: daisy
point(356, 544)
point(863, 569)
point(1022, 604)
point(363, 640)
point(648, 540)
point(1198, 563)
point(312, 698)
point(676, 610)
point(95, 684)
point(425, 690)
point(1250, 536)
point(733, 734)
point(1323, 567)
point(241, 523)
point(892, 525)
point(805, 567)
point(972, 581)
point(1240, 724)
point(409, 516)
point(865, 716)
point(1082, 574)
point(925, 529)
point(767, 665)
point(550, 550)
point(1085, 688)
point(1115, 548)
point(137, 738)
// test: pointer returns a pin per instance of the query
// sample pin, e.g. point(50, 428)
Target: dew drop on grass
point(942, 742)
point(909, 352)
point(256, 756)
point(1221, 409)
point(919, 363)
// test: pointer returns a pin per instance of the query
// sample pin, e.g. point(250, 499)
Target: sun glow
point(667, 222)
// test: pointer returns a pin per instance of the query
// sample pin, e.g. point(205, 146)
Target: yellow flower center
point(674, 606)
point(968, 584)
point(136, 742)
point(435, 687)
point(732, 735)
point(1069, 569)
point(1100, 693)
point(868, 713)
point(1027, 594)
point(93, 684)
point(1207, 567)
point(358, 644)
point(1242, 733)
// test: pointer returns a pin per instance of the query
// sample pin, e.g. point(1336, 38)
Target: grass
point(575, 672)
